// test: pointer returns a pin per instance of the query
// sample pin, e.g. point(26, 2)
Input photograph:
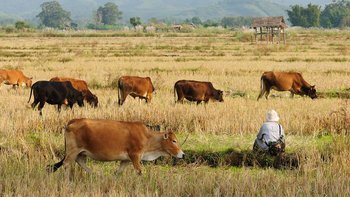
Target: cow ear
point(165, 136)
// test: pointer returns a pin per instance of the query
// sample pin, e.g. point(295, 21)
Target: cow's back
point(12, 76)
point(193, 88)
point(282, 81)
point(106, 139)
point(136, 84)
point(77, 84)
point(80, 85)
point(48, 87)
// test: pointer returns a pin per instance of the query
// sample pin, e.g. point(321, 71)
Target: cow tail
point(262, 83)
point(262, 86)
point(54, 167)
point(30, 96)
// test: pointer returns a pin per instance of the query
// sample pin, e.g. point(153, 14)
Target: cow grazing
point(55, 93)
point(286, 81)
point(141, 87)
point(108, 140)
point(197, 91)
point(81, 86)
point(14, 78)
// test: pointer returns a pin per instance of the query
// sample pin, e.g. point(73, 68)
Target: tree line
point(334, 15)
point(108, 16)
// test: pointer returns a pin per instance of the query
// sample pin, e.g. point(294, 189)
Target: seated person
point(270, 138)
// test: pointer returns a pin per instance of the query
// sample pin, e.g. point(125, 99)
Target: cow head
point(92, 100)
point(76, 97)
point(170, 145)
point(310, 91)
point(29, 82)
point(218, 95)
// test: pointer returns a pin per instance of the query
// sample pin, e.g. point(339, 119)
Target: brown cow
point(286, 81)
point(81, 86)
point(141, 87)
point(197, 91)
point(14, 78)
point(108, 140)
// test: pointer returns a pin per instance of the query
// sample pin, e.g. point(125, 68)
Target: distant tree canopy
point(20, 25)
point(134, 21)
point(305, 17)
point(109, 14)
point(335, 14)
point(194, 20)
point(236, 21)
point(211, 23)
point(53, 15)
point(228, 21)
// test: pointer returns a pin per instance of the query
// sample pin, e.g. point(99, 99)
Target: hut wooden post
point(267, 35)
point(256, 33)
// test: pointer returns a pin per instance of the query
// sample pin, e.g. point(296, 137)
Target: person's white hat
point(272, 116)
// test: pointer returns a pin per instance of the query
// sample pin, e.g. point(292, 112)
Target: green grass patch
point(335, 94)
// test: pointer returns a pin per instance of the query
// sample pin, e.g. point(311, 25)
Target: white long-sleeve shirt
point(269, 132)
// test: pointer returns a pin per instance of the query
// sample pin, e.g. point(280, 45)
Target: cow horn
point(185, 139)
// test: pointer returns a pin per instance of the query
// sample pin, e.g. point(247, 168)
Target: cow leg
point(81, 160)
point(148, 98)
point(122, 166)
point(180, 96)
point(267, 94)
point(70, 157)
point(199, 102)
point(180, 99)
point(70, 104)
point(122, 97)
point(140, 100)
point(40, 107)
point(59, 107)
point(292, 94)
point(136, 162)
point(262, 92)
point(34, 103)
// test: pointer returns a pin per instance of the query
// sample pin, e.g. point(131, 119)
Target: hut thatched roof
point(270, 21)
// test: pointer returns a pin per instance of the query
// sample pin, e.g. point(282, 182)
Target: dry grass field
point(317, 130)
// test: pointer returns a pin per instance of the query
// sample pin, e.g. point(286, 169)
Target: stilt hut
point(269, 29)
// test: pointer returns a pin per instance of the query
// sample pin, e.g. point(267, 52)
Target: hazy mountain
point(82, 10)
point(237, 8)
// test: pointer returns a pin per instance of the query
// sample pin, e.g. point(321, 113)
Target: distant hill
point(81, 10)
point(237, 8)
